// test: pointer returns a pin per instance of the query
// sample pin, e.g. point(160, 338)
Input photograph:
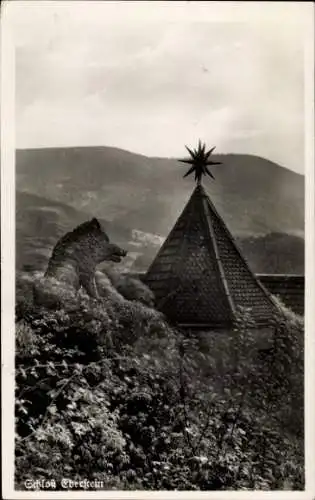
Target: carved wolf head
point(86, 243)
point(101, 246)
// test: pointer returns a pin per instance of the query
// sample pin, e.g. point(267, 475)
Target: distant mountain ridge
point(253, 195)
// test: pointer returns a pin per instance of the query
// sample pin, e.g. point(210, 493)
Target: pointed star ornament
point(199, 161)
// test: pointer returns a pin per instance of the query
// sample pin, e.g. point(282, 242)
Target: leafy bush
point(106, 390)
point(130, 287)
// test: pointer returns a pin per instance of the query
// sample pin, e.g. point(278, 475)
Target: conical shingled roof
point(199, 276)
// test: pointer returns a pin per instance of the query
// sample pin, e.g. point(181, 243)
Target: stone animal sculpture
point(75, 257)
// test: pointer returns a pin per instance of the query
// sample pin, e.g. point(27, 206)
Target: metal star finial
point(200, 160)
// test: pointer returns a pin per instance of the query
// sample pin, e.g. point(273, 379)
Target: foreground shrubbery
point(107, 390)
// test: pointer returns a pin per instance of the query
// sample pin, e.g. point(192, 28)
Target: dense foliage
point(106, 390)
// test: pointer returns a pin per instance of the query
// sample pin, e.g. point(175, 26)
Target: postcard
point(157, 249)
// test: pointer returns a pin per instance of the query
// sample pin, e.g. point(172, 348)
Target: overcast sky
point(151, 77)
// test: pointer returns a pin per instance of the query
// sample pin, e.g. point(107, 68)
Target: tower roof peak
point(199, 276)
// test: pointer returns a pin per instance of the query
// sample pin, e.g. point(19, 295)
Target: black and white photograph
point(161, 226)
